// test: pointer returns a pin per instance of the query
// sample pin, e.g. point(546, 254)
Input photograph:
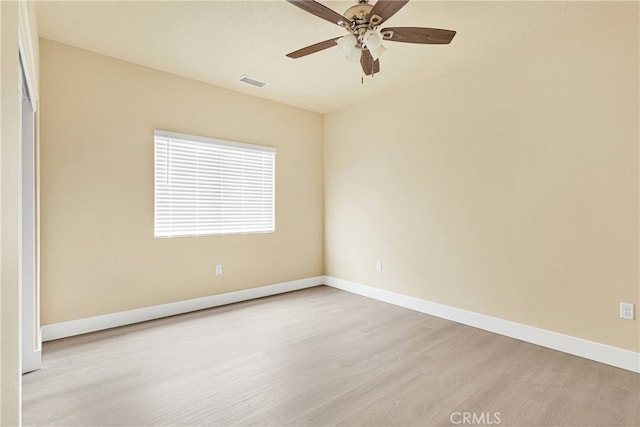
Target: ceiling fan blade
point(419, 35)
point(385, 9)
point(313, 48)
point(319, 10)
point(369, 66)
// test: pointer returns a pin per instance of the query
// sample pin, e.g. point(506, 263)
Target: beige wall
point(9, 131)
point(509, 188)
point(98, 253)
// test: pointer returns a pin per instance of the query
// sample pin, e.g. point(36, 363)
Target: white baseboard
point(603, 353)
point(112, 320)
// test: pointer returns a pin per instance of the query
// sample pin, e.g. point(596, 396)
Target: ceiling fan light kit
point(354, 54)
point(364, 41)
point(347, 43)
point(372, 39)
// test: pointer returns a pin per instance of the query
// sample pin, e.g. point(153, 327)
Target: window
point(207, 186)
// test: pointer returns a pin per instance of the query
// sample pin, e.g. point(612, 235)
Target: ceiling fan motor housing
point(359, 20)
point(358, 11)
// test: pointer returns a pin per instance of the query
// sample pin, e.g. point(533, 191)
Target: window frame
point(195, 139)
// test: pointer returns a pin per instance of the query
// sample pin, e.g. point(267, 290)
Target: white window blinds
point(208, 186)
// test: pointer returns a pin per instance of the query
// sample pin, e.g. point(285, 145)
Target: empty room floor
point(319, 357)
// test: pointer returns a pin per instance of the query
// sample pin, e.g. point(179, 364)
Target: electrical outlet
point(626, 310)
point(218, 269)
point(379, 266)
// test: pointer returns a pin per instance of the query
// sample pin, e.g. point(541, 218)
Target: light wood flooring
point(319, 357)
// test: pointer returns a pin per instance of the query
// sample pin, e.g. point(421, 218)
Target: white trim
point(25, 48)
point(31, 355)
point(112, 320)
point(614, 356)
point(189, 138)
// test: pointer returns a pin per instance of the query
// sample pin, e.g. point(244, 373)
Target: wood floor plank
point(318, 357)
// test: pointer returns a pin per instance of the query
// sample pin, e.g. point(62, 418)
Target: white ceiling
point(219, 41)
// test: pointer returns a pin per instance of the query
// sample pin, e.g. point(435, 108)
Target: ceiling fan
point(364, 39)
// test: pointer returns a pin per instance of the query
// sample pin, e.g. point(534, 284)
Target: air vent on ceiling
point(253, 82)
